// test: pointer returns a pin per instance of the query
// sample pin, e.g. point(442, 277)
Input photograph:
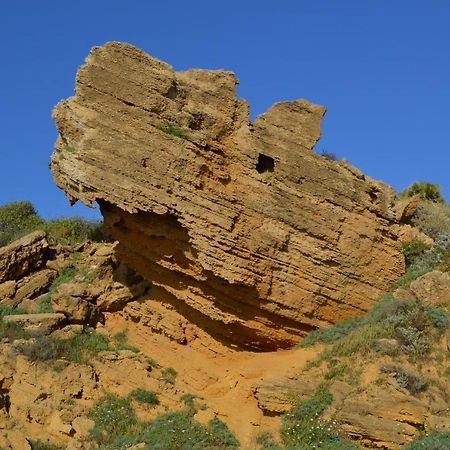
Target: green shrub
point(79, 349)
point(8, 330)
point(20, 218)
point(173, 130)
point(412, 324)
point(73, 230)
point(114, 418)
point(412, 250)
point(168, 375)
point(39, 445)
point(433, 219)
point(16, 220)
point(426, 191)
point(435, 440)
point(143, 396)
point(178, 431)
point(413, 382)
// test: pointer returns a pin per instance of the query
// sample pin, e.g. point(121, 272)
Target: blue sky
point(381, 67)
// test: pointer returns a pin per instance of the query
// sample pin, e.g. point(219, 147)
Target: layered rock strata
point(246, 231)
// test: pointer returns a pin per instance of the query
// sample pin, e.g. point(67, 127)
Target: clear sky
point(382, 68)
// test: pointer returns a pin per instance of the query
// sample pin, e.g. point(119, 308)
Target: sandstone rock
point(407, 232)
point(252, 235)
point(433, 288)
point(7, 291)
point(14, 440)
point(69, 331)
point(37, 323)
point(23, 256)
point(34, 285)
point(405, 208)
point(74, 300)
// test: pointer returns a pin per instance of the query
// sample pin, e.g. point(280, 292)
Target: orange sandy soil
point(221, 376)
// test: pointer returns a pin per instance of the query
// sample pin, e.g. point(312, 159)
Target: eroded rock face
point(250, 234)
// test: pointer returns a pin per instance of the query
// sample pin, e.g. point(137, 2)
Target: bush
point(412, 250)
point(79, 349)
point(114, 418)
point(11, 331)
point(169, 375)
point(426, 191)
point(433, 219)
point(20, 218)
point(143, 396)
point(435, 440)
point(39, 445)
point(413, 382)
point(16, 220)
point(415, 327)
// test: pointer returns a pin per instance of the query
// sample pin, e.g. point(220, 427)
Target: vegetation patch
point(143, 396)
point(18, 219)
point(117, 427)
point(412, 324)
point(413, 382)
point(173, 130)
point(435, 440)
point(304, 428)
point(168, 375)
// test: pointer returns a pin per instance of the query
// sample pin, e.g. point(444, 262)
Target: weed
point(434, 440)
point(413, 382)
point(79, 349)
point(410, 322)
point(143, 396)
point(43, 305)
point(303, 427)
point(39, 445)
point(173, 130)
point(120, 340)
point(168, 375)
point(69, 149)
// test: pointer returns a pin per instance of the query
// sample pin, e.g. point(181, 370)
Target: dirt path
point(222, 377)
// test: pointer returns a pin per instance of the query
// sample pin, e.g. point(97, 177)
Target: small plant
point(168, 375)
point(425, 190)
point(413, 382)
point(121, 342)
point(412, 250)
point(303, 427)
point(329, 155)
point(412, 324)
point(69, 149)
point(434, 440)
point(114, 418)
point(79, 349)
point(143, 396)
point(40, 445)
point(173, 130)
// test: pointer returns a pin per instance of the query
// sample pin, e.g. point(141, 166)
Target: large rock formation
point(248, 232)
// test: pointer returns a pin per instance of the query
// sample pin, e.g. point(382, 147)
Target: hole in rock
point(265, 163)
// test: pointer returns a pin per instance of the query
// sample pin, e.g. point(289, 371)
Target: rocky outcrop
point(23, 256)
point(250, 234)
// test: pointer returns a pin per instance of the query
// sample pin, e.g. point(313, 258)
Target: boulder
point(433, 288)
point(37, 323)
point(253, 236)
point(76, 302)
point(23, 256)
